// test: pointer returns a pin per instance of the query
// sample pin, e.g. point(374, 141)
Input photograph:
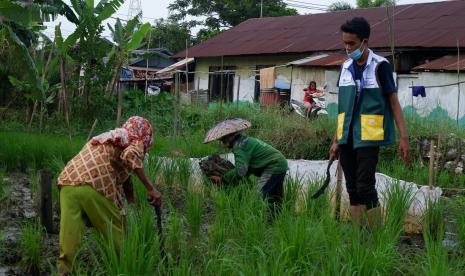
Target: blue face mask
point(356, 54)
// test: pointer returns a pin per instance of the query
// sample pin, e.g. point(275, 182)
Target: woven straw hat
point(226, 127)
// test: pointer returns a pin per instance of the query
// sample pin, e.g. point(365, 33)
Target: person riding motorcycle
point(310, 92)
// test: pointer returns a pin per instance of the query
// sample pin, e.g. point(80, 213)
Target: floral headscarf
point(135, 129)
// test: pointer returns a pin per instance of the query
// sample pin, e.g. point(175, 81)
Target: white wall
point(301, 77)
point(445, 98)
point(245, 68)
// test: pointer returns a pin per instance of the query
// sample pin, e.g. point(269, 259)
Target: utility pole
point(135, 8)
point(261, 8)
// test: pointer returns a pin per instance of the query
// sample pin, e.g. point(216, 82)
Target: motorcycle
point(318, 109)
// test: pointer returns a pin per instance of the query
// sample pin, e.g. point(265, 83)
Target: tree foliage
point(220, 14)
point(340, 6)
point(170, 34)
point(374, 3)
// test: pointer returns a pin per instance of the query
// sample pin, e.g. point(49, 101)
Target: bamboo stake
point(45, 200)
point(63, 97)
point(336, 196)
point(175, 122)
point(34, 109)
point(120, 105)
point(147, 65)
point(431, 164)
point(238, 88)
point(92, 129)
point(458, 81)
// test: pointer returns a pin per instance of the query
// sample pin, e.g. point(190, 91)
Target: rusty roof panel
point(445, 63)
point(328, 61)
point(334, 59)
point(427, 25)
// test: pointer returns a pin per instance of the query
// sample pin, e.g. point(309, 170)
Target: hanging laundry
point(418, 90)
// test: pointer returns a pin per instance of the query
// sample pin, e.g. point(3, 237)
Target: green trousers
point(80, 205)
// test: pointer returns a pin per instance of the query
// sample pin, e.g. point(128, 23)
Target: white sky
point(155, 9)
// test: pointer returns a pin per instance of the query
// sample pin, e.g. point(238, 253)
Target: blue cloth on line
point(418, 90)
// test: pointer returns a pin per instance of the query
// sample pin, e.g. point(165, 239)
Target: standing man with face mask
point(367, 109)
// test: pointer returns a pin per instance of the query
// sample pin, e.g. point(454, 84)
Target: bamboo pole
point(187, 67)
point(92, 129)
point(120, 105)
point(458, 81)
point(63, 96)
point(221, 85)
point(431, 165)
point(336, 196)
point(147, 65)
point(175, 121)
point(238, 88)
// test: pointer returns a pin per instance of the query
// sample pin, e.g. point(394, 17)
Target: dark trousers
point(359, 166)
point(273, 191)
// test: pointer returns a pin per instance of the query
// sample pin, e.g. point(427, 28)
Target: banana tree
point(62, 48)
point(88, 18)
point(19, 25)
point(37, 88)
point(127, 38)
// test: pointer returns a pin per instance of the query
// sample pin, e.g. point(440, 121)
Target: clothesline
point(438, 86)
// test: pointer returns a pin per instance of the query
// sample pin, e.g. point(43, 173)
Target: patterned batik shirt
point(105, 167)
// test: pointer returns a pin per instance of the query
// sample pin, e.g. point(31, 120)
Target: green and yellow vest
point(371, 119)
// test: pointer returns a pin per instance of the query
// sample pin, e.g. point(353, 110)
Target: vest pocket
point(372, 127)
point(340, 125)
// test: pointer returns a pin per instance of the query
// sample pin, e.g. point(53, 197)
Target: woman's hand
point(215, 179)
point(155, 197)
point(334, 151)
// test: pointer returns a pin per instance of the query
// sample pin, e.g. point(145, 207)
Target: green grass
point(31, 246)
point(229, 231)
point(139, 253)
point(22, 150)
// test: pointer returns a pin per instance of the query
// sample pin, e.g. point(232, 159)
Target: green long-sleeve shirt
point(253, 156)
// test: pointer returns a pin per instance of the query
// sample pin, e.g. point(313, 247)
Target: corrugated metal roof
point(307, 59)
point(437, 24)
point(329, 60)
point(445, 63)
point(178, 65)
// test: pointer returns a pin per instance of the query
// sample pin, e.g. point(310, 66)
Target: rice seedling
point(240, 238)
point(176, 237)
point(194, 209)
point(139, 250)
point(436, 261)
point(398, 201)
point(461, 228)
point(184, 172)
point(28, 149)
point(31, 245)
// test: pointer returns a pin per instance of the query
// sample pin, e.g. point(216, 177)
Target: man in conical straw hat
point(251, 156)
